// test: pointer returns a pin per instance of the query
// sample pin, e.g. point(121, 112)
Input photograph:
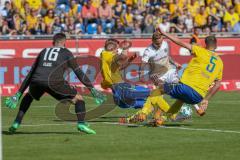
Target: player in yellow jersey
point(125, 95)
point(110, 72)
point(204, 69)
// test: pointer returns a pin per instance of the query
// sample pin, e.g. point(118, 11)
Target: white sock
point(196, 106)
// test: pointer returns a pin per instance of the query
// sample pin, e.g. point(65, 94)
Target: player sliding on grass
point(204, 69)
point(125, 95)
point(47, 75)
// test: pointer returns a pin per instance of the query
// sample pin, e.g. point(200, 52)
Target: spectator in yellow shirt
point(35, 4)
point(201, 17)
point(173, 6)
point(127, 19)
point(48, 4)
point(228, 3)
point(211, 9)
point(112, 2)
point(231, 16)
point(237, 6)
point(25, 10)
point(129, 2)
point(193, 7)
point(49, 18)
point(141, 5)
point(75, 9)
point(164, 9)
point(31, 20)
point(96, 3)
point(18, 5)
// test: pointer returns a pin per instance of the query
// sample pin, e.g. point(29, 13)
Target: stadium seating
point(182, 16)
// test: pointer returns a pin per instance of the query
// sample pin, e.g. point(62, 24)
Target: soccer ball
point(186, 110)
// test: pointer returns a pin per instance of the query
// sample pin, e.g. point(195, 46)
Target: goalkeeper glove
point(11, 102)
point(99, 96)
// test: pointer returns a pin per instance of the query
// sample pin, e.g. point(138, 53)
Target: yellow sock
point(155, 99)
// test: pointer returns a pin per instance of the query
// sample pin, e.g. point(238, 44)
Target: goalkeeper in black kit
point(47, 76)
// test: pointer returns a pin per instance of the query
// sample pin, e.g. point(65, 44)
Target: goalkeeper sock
point(24, 106)
point(80, 110)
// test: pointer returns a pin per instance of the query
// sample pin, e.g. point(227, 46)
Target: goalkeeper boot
point(14, 127)
point(83, 127)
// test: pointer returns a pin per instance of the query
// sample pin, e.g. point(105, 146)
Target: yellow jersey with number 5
point(204, 68)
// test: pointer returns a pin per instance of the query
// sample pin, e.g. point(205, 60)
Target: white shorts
point(171, 76)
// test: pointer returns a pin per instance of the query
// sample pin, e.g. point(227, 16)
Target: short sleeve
point(199, 51)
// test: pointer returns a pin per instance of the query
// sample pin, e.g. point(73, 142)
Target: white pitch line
point(116, 123)
point(203, 129)
point(181, 128)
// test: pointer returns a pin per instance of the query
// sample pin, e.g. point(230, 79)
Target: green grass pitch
point(216, 136)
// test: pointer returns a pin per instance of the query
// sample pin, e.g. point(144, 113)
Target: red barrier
point(30, 48)
point(16, 57)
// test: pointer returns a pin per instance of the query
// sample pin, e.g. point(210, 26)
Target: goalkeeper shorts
point(59, 91)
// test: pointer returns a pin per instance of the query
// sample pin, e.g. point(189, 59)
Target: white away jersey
point(151, 52)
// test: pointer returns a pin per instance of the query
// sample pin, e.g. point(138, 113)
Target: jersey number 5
point(51, 54)
point(212, 65)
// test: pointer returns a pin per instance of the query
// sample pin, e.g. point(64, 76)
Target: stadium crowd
point(44, 17)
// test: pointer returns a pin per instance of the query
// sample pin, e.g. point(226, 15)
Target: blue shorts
point(183, 92)
point(126, 95)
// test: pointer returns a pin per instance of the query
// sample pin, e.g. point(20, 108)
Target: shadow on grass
point(177, 124)
point(100, 119)
point(40, 133)
point(93, 121)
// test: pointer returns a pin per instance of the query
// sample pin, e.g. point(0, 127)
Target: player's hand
point(132, 57)
point(159, 30)
point(125, 44)
point(178, 66)
point(11, 102)
point(204, 104)
point(98, 95)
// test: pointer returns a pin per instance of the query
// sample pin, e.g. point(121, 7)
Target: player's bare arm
point(178, 66)
point(210, 94)
point(122, 61)
point(175, 40)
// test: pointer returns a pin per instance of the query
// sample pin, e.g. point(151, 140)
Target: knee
point(78, 97)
